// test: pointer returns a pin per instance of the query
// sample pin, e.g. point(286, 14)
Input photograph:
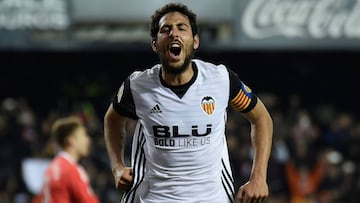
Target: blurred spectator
point(337, 182)
point(305, 169)
point(338, 133)
point(304, 181)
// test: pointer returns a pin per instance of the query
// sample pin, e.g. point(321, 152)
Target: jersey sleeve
point(123, 101)
point(241, 96)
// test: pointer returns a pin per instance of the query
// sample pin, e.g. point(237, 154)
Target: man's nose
point(174, 32)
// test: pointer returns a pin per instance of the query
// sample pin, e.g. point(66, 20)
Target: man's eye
point(182, 27)
point(165, 30)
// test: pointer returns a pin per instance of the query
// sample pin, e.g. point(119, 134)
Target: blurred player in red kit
point(65, 180)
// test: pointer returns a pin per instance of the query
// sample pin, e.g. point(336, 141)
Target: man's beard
point(177, 70)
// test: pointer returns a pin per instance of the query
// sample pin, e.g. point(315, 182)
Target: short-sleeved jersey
point(179, 151)
point(65, 182)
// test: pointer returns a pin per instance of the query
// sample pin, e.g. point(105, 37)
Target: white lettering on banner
point(302, 19)
point(33, 14)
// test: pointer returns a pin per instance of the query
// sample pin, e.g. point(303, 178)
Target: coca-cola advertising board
point(299, 23)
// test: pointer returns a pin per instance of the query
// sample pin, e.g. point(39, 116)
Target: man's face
point(175, 42)
point(82, 142)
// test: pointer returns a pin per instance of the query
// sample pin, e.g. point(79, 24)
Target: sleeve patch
point(247, 91)
point(243, 99)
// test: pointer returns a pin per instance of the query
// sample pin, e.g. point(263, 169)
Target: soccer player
point(65, 180)
point(179, 151)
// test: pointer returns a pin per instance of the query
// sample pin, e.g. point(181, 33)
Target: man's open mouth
point(175, 49)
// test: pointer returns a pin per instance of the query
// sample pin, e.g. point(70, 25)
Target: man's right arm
point(114, 134)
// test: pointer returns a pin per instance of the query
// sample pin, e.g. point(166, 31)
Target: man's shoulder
point(60, 167)
point(149, 72)
point(208, 66)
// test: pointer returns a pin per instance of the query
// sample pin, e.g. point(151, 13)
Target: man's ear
point(196, 41)
point(70, 140)
point(153, 45)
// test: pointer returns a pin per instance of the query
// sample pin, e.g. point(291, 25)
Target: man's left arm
point(261, 138)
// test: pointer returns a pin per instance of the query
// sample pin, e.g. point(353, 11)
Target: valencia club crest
point(208, 104)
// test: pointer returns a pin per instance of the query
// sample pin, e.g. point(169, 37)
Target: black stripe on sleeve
point(124, 104)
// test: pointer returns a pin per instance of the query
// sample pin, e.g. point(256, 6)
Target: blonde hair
point(63, 128)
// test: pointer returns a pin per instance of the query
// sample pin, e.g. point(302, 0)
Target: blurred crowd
point(315, 156)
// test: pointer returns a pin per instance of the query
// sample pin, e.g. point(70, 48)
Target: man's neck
point(178, 79)
point(70, 155)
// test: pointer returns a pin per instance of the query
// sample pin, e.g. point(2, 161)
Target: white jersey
point(179, 151)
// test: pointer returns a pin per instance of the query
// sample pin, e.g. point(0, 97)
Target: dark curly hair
point(172, 7)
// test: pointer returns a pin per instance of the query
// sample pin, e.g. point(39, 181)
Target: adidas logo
point(156, 109)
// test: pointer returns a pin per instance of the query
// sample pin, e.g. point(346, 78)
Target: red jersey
point(65, 182)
